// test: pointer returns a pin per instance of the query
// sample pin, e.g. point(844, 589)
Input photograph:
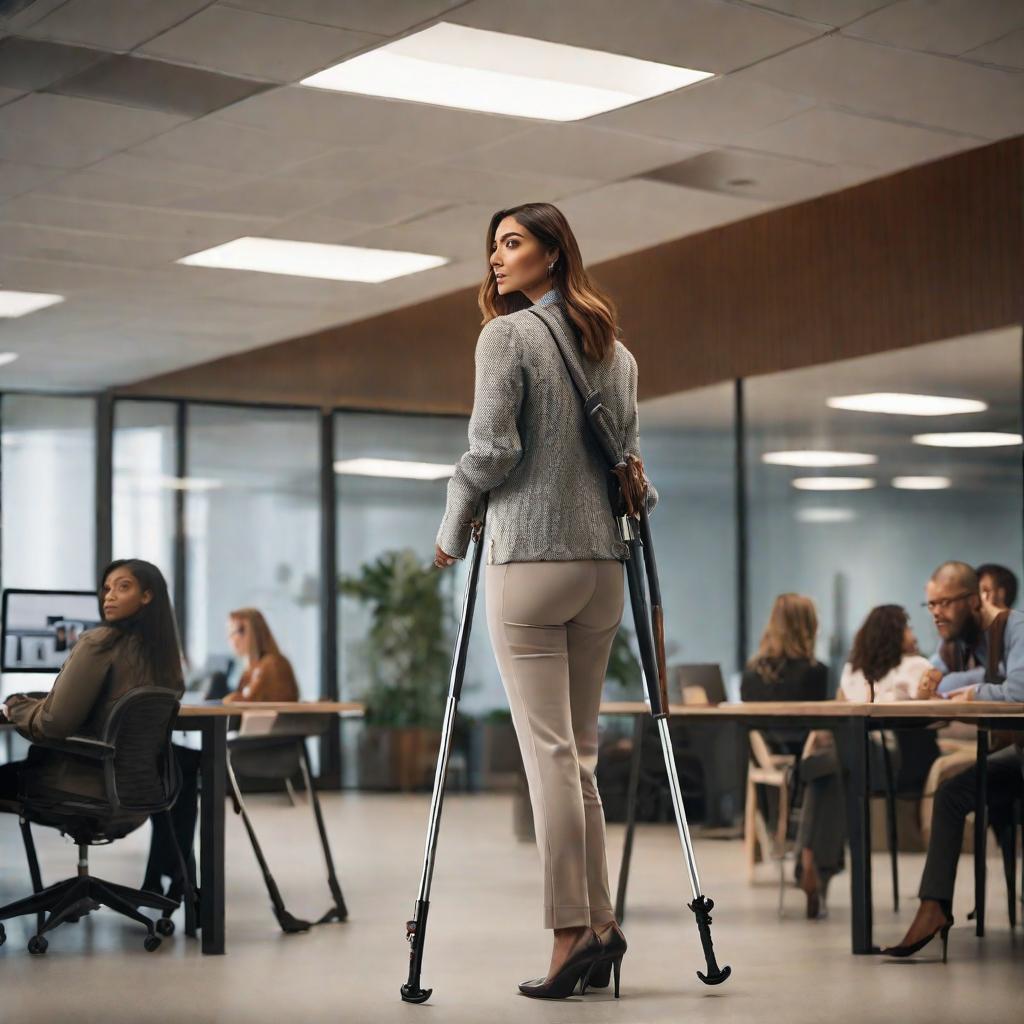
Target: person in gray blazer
point(553, 576)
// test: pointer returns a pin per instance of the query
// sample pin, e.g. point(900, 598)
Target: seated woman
point(137, 645)
point(884, 666)
point(268, 674)
point(784, 667)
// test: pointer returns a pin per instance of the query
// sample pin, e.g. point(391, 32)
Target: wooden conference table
point(211, 722)
point(851, 725)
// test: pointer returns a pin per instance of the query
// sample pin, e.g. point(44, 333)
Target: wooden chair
point(774, 771)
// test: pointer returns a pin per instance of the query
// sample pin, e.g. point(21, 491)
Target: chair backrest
point(142, 774)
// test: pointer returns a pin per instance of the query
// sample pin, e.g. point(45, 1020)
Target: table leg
point(627, 845)
point(858, 808)
point(212, 794)
point(980, 831)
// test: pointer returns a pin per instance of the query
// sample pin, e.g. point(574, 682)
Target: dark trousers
point(10, 777)
point(163, 858)
point(953, 802)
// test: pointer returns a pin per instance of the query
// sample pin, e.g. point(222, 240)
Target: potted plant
point(406, 656)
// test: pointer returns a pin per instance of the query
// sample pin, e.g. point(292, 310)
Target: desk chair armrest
point(80, 746)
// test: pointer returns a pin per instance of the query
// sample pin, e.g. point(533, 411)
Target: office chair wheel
point(152, 943)
point(37, 945)
point(165, 926)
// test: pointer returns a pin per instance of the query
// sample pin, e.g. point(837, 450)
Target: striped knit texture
point(529, 448)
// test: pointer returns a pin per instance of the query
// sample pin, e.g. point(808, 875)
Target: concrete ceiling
point(135, 132)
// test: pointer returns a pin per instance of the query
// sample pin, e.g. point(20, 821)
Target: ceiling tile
point(193, 229)
point(717, 112)
point(18, 15)
point(418, 131)
point(16, 178)
point(897, 84)
point(630, 215)
point(825, 12)
point(64, 131)
point(352, 166)
point(158, 85)
point(9, 95)
point(456, 183)
point(271, 197)
point(761, 176)
point(214, 143)
point(834, 137)
point(702, 34)
point(456, 233)
point(29, 64)
point(576, 150)
point(940, 26)
point(116, 188)
point(1007, 52)
point(113, 24)
point(61, 277)
point(379, 205)
point(243, 43)
point(174, 172)
point(362, 15)
point(315, 227)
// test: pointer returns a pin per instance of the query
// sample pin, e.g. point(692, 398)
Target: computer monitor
point(41, 627)
point(699, 683)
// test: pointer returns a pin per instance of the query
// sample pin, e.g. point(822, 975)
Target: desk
point(211, 721)
point(851, 724)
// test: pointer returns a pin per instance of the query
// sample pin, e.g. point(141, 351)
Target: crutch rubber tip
point(715, 979)
point(415, 995)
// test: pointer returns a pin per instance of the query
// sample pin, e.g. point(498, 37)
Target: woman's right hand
point(442, 559)
point(928, 685)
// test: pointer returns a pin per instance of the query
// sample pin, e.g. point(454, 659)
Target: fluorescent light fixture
point(475, 69)
point(313, 259)
point(818, 459)
point(396, 468)
point(158, 481)
point(833, 483)
point(825, 515)
point(22, 303)
point(968, 439)
point(896, 404)
point(922, 483)
point(7, 357)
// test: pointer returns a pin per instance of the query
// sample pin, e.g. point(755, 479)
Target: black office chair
point(140, 779)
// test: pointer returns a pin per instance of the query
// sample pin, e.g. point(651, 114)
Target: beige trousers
point(552, 625)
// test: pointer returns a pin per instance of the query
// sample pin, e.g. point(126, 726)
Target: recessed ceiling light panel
point(7, 357)
point(922, 483)
point(475, 69)
point(896, 404)
point(825, 515)
point(22, 303)
point(313, 259)
point(969, 439)
point(395, 468)
point(833, 483)
point(818, 459)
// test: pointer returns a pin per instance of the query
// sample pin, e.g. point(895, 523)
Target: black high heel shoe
point(614, 947)
point(575, 971)
point(913, 947)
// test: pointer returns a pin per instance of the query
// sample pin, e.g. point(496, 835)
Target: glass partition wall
point(258, 506)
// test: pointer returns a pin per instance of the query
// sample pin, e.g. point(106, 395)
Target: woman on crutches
point(554, 576)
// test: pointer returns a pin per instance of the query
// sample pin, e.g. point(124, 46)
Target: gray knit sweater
point(529, 448)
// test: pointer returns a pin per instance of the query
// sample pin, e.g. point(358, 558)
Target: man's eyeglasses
point(943, 603)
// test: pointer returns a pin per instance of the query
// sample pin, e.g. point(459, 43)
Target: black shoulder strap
point(599, 418)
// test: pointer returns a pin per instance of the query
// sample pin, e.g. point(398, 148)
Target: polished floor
point(485, 935)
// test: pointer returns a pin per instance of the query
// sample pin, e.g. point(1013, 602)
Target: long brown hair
point(260, 641)
point(591, 311)
point(790, 633)
point(878, 646)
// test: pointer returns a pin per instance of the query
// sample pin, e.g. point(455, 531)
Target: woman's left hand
point(441, 559)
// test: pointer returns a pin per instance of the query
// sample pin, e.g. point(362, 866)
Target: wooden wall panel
point(930, 253)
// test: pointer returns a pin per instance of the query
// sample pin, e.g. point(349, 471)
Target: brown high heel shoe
point(614, 948)
point(575, 971)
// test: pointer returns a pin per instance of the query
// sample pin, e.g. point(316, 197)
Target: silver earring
point(551, 267)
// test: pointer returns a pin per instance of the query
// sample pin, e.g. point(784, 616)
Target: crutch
point(650, 630)
point(416, 929)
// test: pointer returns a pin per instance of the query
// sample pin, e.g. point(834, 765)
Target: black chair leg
point(106, 895)
point(141, 897)
point(892, 835)
point(339, 912)
point(40, 902)
point(33, 864)
point(186, 872)
point(77, 902)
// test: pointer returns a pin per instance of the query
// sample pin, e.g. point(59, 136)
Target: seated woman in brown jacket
point(268, 674)
point(137, 645)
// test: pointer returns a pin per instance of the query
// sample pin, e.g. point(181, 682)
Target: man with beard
point(980, 657)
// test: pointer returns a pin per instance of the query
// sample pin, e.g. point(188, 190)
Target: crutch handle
point(702, 907)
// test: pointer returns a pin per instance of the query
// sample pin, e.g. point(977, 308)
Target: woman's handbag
point(628, 498)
